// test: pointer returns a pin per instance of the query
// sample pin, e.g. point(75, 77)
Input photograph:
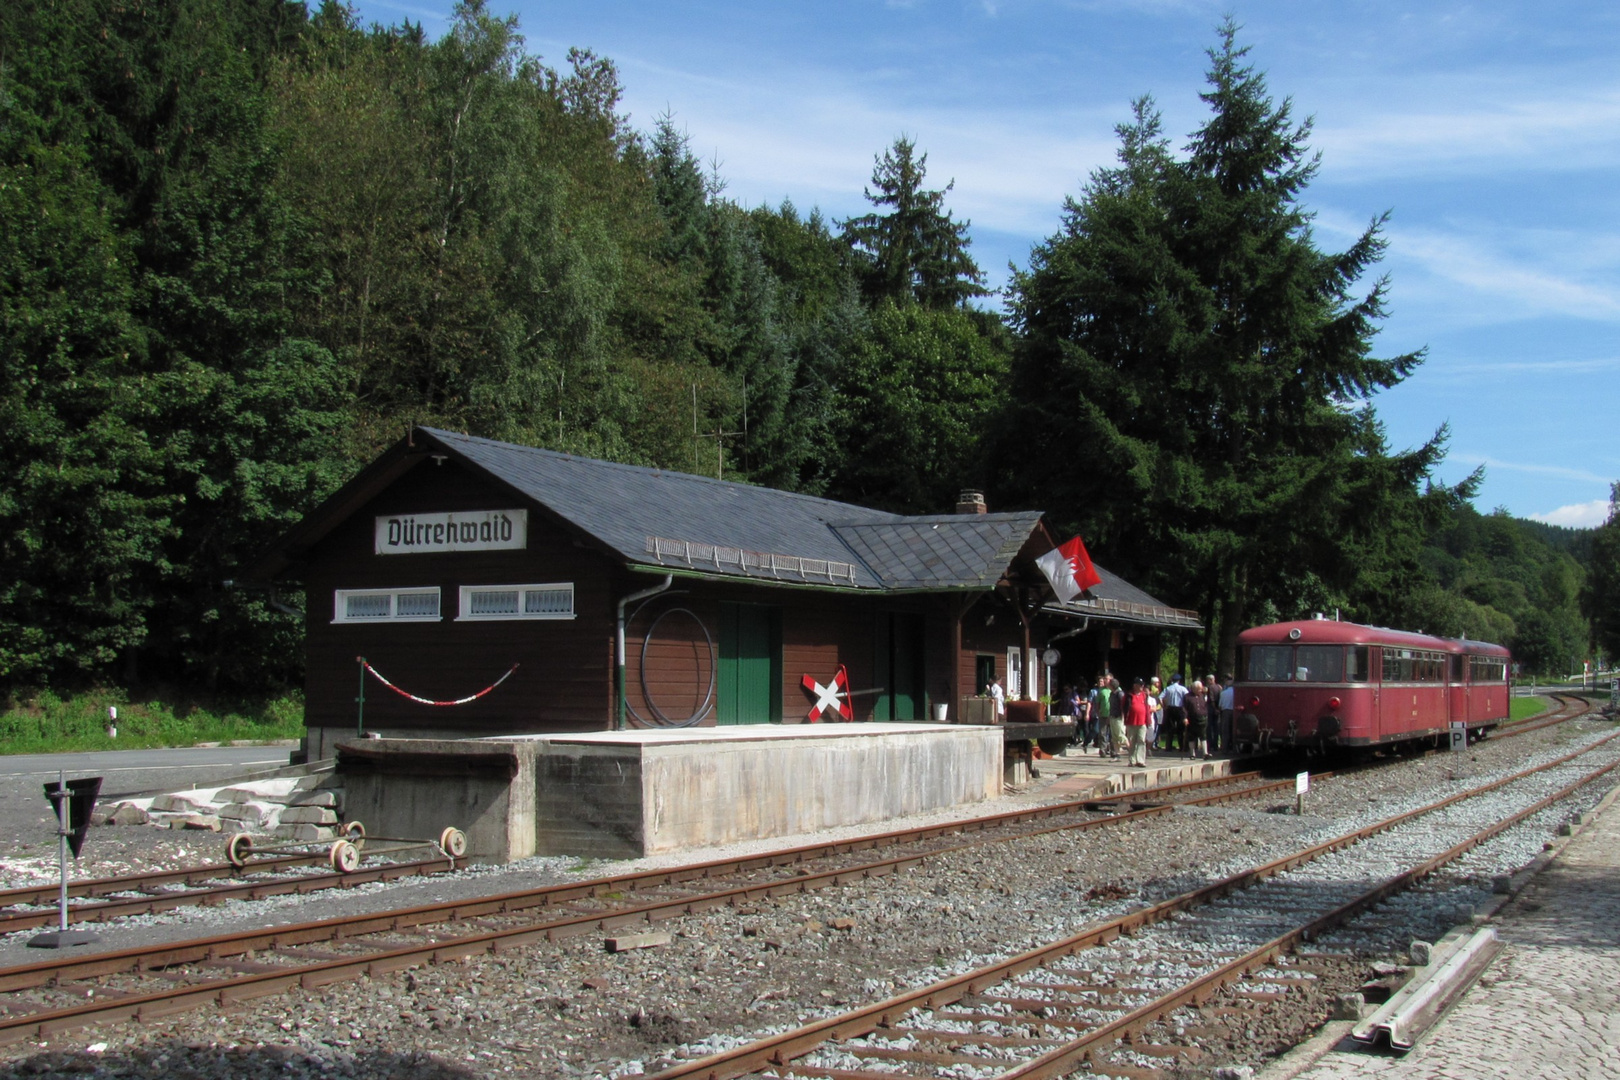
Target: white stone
point(308, 815)
point(184, 801)
point(250, 814)
point(275, 790)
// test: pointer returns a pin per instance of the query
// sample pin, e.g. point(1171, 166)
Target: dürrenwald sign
point(471, 530)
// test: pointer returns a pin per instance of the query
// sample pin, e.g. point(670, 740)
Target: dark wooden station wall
point(565, 678)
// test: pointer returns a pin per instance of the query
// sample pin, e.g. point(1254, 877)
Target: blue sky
point(1491, 130)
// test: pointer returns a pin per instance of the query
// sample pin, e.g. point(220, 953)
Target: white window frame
point(340, 598)
point(1015, 673)
point(465, 613)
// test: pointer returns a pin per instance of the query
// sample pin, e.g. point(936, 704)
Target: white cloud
point(1586, 515)
point(1553, 133)
point(1560, 471)
point(1526, 272)
point(803, 135)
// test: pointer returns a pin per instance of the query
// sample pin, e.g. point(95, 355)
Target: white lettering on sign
point(1302, 783)
point(472, 530)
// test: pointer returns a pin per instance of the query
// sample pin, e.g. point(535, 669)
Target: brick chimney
point(971, 502)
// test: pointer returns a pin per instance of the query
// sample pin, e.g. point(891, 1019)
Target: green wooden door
point(750, 676)
point(898, 668)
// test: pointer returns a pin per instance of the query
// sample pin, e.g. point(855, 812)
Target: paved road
point(1549, 1007)
point(25, 815)
point(109, 763)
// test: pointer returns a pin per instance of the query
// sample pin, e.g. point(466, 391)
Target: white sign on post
point(1459, 735)
point(1302, 783)
point(471, 530)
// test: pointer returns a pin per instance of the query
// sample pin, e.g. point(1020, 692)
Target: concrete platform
point(1077, 775)
point(625, 794)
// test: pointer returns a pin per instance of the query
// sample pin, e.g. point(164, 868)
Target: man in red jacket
point(1137, 715)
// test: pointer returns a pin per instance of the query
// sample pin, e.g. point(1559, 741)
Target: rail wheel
point(454, 842)
point(355, 833)
point(239, 849)
point(345, 857)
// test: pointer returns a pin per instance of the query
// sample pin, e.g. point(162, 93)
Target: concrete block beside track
point(632, 793)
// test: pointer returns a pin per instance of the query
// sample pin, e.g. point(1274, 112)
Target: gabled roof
point(940, 550)
point(656, 518)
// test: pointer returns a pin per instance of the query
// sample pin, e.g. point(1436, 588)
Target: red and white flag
point(1069, 569)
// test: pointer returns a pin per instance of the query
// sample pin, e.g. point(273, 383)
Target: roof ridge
point(943, 519)
point(653, 470)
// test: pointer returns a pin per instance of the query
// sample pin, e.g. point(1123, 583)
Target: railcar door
point(1375, 682)
point(1457, 690)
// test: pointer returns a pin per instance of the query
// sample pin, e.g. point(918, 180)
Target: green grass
point(47, 723)
point(1523, 708)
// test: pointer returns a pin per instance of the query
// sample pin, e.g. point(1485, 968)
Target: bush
point(47, 723)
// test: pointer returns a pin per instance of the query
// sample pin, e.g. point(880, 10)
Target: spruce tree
point(1191, 364)
point(913, 250)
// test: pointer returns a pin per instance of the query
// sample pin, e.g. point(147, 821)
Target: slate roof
point(657, 517)
point(660, 518)
point(940, 550)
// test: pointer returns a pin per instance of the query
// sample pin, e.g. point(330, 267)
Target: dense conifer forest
point(246, 244)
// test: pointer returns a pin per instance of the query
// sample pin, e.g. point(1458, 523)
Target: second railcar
point(1324, 683)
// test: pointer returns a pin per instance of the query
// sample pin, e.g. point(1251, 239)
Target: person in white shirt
point(1173, 729)
point(999, 696)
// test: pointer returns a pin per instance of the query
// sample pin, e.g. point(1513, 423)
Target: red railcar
point(1324, 683)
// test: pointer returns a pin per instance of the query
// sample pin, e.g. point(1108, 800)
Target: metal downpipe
point(619, 711)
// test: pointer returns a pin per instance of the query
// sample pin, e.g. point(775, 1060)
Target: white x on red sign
point(835, 697)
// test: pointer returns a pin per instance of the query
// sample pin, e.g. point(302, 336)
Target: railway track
point(109, 898)
point(1127, 996)
point(37, 999)
point(101, 899)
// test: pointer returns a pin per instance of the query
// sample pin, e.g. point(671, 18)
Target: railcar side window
point(1270, 663)
point(1319, 663)
point(1355, 664)
point(1399, 665)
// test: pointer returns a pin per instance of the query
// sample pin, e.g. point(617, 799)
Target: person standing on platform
point(1155, 709)
point(1212, 691)
point(999, 696)
point(1175, 715)
point(1097, 722)
point(1116, 719)
point(1138, 710)
point(1197, 707)
point(1076, 706)
point(1226, 703)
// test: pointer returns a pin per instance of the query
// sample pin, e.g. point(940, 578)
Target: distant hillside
point(1510, 580)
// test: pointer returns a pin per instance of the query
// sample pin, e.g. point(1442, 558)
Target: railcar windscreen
point(1319, 663)
point(1355, 663)
point(1270, 663)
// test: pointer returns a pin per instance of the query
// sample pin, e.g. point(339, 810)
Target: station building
point(453, 563)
